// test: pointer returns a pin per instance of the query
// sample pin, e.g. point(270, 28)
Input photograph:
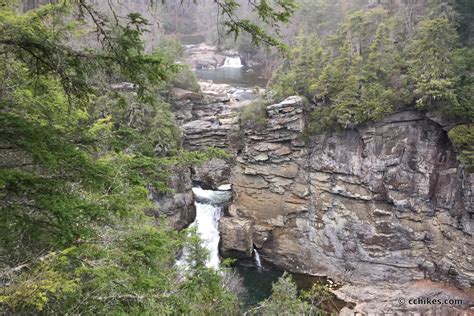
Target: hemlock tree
point(383, 58)
point(432, 62)
point(286, 299)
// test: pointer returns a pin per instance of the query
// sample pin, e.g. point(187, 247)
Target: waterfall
point(208, 213)
point(225, 187)
point(207, 224)
point(232, 62)
point(258, 263)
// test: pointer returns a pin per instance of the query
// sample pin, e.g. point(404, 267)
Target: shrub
point(185, 79)
point(462, 137)
point(285, 299)
point(254, 115)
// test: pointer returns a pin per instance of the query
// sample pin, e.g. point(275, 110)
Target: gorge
point(385, 210)
point(234, 157)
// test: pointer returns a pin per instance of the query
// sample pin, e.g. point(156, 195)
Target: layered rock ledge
point(380, 208)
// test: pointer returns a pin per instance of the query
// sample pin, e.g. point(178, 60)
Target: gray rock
point(204, 56)
point(210, 122)
point(380, 208)
point(123, 86)
point(365, 206)
point(236, 238)
point(178, 205)
point(212, 173)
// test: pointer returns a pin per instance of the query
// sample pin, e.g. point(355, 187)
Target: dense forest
point(87, 132)
point(384, 58)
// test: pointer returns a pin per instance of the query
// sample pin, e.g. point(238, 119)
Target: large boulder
point(204, 56)
point(236, 238)
point(213, 173)
point(181, 94)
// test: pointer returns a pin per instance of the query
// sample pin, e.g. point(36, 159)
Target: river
point(257, 279)
point(236, 76)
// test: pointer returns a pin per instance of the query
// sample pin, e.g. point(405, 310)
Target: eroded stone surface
point(213, 173)
point(385, 204)
point(211, 121)
point(236, 241)
point(178, 205)
point(204, 56)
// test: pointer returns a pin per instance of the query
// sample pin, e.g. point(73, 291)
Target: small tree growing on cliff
point(254, 115)
point(285, 299)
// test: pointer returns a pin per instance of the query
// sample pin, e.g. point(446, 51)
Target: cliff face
point(177, 205)
point(210, 120)
point(375, 207)
point(389, 197)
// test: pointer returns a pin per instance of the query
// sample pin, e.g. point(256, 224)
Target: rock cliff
point(178, 204)
point(380, 208)
point(209, 121)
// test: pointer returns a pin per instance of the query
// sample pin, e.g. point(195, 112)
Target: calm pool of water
point(240, 77)
point(257, 283)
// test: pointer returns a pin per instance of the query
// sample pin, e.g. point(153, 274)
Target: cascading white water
point(258, 263)
point(206, 223)
point(208, 214)
point(232, 62)
point(225, 187)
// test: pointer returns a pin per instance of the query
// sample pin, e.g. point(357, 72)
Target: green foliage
point(254, 115)
point(145, 127)
point(462, 137)
point(305, 69)
point(191, 158)
point(33, 290)
point(441, 70)
point(432, 62)
point(41, 199)
point(32, 40)
point(127, 269)
point(320, 298)
point(185, 79)
point(319, 17)
point(260, 22)
point(465, 26)
point(272, 14)
point(285, 299)
point(368, 67)
point(77, 159)
point(348, 80)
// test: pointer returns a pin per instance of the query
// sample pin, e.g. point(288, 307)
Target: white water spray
point(258, 263)
point(207, 223)
point(232, 62)
point(208, 214)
